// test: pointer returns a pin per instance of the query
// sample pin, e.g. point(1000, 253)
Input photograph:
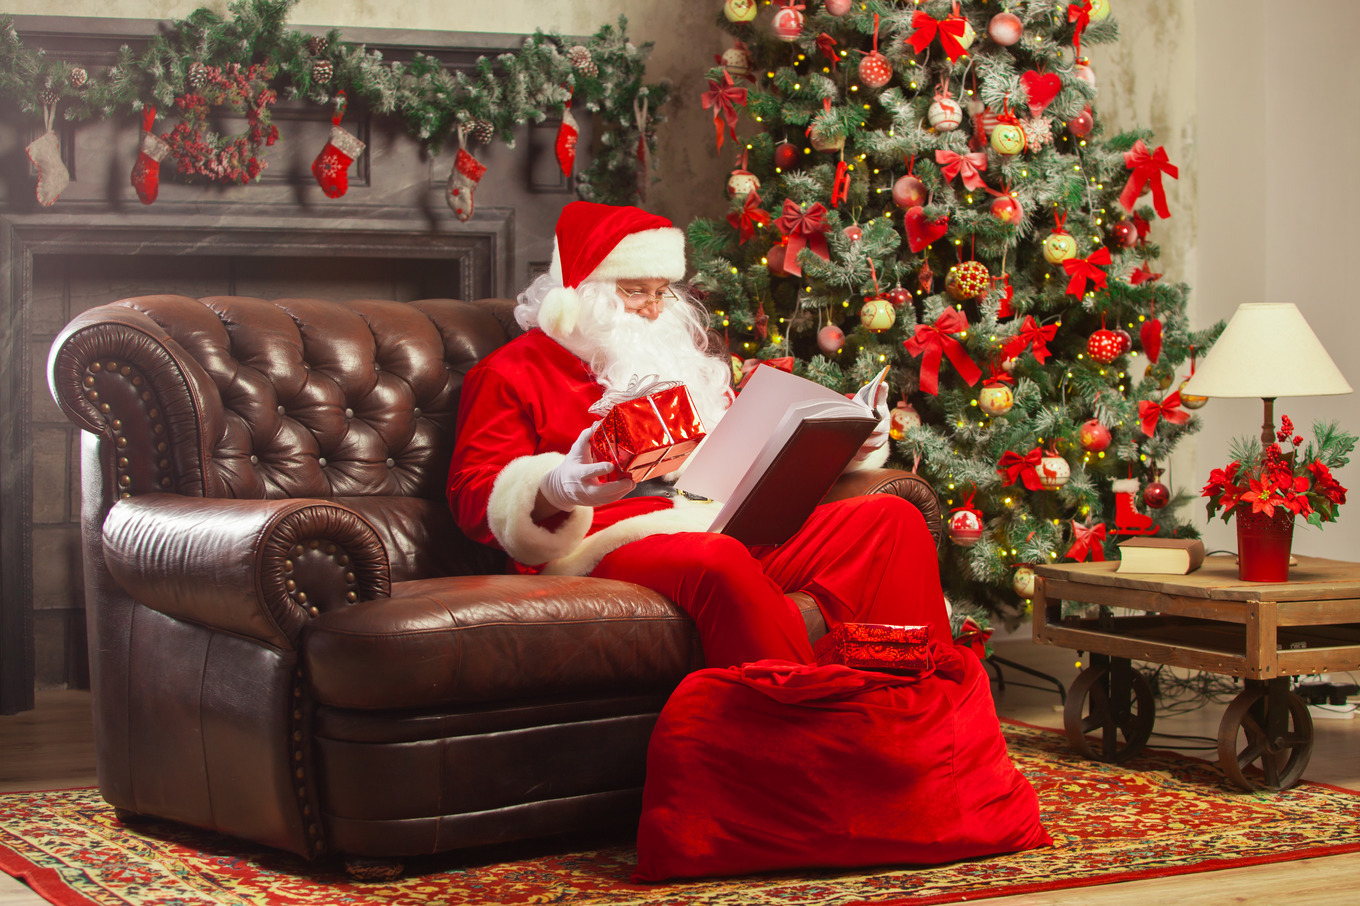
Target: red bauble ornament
point(787, 24)
point(965, 527)
point(1094, 436)
point(1005, 29)
point(1104, 346)
point(853, 233)
point(909, 192)
point(899, 296)
point(968, 280)
point(1156, 495)
point(1125, 340)
point(774, 260)
point(1082, 124)
point(838, 7)
point(830, 339)
point(1084, 72)
point(1007, 209)
point(1124, 234)
point(785, 155)
point(874, 70)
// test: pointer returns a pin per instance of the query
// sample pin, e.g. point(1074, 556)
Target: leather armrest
point(254, 568)
point(908, 485)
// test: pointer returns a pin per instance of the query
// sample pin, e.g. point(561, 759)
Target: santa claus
point(522, 479)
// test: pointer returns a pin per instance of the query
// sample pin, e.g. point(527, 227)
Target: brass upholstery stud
point(124, 480)
point(146, 395)
point(165, 482)
point(104, 407)
point(137, 380)
point(93, 396)
point(121, 442)
point(288, 568)
point(298, 550)
point(330, 550)
point(162, 447)
point(117, 423)
point(290, 584)
point(349, 577)
point(96, 366)
point(302, 597)
point(89, 380)
point(316, 612)
point(122, 462)
point(343, 559)
point(314, 544)
point(351, 597)
point(154, 413)
point(299, 774)
point(125, 371)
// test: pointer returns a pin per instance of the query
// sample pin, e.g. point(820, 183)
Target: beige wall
point(1262, 132)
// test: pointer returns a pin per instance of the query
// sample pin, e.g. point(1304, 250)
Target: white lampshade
point(1267, 351)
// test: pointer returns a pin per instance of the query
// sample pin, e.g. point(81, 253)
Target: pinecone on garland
point(49, 96)
point(198, 75)
point(481, 131)
point(316, 45)
point(78, 77)
point(322, 70)
point(580, 59)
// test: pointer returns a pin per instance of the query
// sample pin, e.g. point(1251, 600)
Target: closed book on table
point(1165, 556)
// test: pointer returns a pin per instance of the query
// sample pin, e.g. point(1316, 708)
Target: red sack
point(773, 765)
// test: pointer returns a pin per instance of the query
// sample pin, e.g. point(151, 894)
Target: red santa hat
point(607, 242)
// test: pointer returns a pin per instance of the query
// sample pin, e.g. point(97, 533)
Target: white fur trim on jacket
point(684, 516)
point(509, 513)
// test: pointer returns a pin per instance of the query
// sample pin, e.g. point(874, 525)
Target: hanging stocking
point(146, 173)
point(567, 134)
point(644, 173)
point(467, 172)
point(331, 167)
point(1127, 519)
point(45, 152)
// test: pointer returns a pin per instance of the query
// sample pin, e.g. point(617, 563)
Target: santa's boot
point(1127, 519)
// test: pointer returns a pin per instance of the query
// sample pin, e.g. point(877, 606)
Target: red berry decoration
point(874, 70)
point(968, 280)
point(899, 296)
point(1104, 346)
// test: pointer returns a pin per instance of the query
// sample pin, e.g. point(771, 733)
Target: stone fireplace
point(391, 236)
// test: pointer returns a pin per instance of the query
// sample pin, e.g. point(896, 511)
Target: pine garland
point(603, 74)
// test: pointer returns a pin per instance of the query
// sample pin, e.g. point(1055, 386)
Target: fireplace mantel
point(394, 209)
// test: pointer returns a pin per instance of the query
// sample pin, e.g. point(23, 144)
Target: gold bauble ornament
point(1008, 139)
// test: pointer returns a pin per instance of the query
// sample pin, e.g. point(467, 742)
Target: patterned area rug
point(1160, 814)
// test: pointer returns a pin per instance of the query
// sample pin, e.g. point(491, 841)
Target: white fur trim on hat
point(559, 312)
point(509, 513)
point(645, 254)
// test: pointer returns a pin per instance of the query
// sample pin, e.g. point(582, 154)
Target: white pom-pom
point(560, 309)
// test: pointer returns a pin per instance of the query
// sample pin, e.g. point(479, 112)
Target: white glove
point(577, 482)
point(878, 404)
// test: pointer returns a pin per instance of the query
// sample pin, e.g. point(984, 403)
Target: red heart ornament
point(922, 232)
point(1151, 335)
point(1041, 88)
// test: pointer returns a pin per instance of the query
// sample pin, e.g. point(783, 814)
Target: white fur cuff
point(509, 513)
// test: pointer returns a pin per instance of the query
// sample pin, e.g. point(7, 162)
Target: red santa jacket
point(521, 409)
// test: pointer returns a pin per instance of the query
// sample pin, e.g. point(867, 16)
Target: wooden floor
point(51, 748)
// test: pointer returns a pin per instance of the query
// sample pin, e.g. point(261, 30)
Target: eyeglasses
point(635, 300)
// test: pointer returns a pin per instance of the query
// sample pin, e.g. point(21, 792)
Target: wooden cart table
point(1263, 633)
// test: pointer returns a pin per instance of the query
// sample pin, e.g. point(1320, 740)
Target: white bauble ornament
point(902, 419)
point(830, 339)
point(944, 114)
point(737, 61)
point(877, 314)
point(965, 528)
point(996, 399)
point(1005, 29)
point(969, 36)
point(1024, 581)
point(1053, 471)
point(740, 10)
point(825, 143)
point(787, 24)
point(742, 183)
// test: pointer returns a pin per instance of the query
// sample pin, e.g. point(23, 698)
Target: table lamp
point(1267, 350)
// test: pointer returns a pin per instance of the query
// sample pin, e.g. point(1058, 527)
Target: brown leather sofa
point(290, 641)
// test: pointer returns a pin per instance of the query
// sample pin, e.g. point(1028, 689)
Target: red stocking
point(146, 173)
point(331, 167)
point(467, 172)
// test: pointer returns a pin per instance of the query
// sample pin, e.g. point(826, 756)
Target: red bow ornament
point(748, 367)
point(723, 98)
point(1031, 336)
point(1142, 275)
point(1083, 269)
point(1025, 469)
point(972, 635)
point(969, 167)
point(803, 229)
point(933, 343)
point(1147, 166)
point(750, 215)
point(950, 31)
point(827, 45)
point(1087, 540)
point(1150, 413)
point(1080, 13)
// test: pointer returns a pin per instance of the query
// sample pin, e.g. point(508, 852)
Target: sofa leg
point(373, 870)
point(126, 816)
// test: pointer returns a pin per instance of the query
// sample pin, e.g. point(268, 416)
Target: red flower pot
point(1263, 544)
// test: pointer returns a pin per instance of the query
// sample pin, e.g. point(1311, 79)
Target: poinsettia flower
point(1261, 496)
point(1325, 483)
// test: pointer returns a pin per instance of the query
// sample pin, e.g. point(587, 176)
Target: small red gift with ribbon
point(876, 646)
point(648, 430)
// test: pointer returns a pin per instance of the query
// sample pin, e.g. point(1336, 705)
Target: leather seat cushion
point(485, 639)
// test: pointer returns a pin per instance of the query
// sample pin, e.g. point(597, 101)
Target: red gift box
point(876, 646)
point(647, 432)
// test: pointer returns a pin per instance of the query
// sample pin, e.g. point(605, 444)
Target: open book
point(776, 453)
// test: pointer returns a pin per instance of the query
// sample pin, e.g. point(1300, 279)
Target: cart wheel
point(1282, 757)
point(1131, 719)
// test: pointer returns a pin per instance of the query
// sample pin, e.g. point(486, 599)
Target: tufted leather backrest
point(326, 399)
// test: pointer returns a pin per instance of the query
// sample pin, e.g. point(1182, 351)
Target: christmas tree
point(928, 185)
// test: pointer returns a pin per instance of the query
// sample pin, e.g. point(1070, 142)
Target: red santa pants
point(867, 559)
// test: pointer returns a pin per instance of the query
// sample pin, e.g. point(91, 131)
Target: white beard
point(620, 345)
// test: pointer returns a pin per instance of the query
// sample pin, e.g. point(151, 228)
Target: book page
point(726, 454)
